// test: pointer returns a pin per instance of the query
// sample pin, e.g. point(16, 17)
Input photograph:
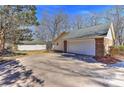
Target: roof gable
point(60, 36)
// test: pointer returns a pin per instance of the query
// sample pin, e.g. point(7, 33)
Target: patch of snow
point(118, 65)
point(12, 73)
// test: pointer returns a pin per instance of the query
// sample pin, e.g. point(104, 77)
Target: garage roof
point(94, 31)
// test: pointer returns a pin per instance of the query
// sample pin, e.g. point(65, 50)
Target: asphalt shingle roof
point(98, 30)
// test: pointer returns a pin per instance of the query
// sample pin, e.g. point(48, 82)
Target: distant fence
point(31, 47)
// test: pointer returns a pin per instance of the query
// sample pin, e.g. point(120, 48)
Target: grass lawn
point(18, 54)
point(34, 52)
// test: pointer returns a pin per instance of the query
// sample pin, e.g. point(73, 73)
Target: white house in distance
point(94, 40)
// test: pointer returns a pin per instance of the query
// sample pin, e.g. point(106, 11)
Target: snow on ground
point(117, 65)
point(13, 74)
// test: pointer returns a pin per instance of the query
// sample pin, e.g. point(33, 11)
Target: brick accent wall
point(100, 49)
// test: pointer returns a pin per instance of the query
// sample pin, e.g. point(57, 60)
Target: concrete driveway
point(68, 70)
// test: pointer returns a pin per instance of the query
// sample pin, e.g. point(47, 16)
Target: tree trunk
point(14, 47)
point(2, 41)
point(49, 46)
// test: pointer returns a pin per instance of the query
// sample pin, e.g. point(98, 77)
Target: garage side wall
point(58, 45)
point(108, 41)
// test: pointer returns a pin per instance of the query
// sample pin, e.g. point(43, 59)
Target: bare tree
point(95, 18)
point(52, 25)
point(77, 22)
point(115, 15)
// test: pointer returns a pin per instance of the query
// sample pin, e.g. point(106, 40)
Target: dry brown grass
point(34, 52)
point(19, 54)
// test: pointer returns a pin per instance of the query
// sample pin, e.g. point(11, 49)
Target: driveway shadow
point(85, 58)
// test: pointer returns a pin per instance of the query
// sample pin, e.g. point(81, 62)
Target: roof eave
point(63, 33)
point(87, 37)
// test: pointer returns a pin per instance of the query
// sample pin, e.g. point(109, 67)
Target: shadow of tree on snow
point(11, 72)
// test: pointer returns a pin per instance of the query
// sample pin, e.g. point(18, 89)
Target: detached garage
point(88, 47)
point(94, 40)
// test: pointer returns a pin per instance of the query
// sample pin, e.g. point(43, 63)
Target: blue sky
point(70, 9)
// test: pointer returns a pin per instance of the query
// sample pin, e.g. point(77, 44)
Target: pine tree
point(15, 22)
